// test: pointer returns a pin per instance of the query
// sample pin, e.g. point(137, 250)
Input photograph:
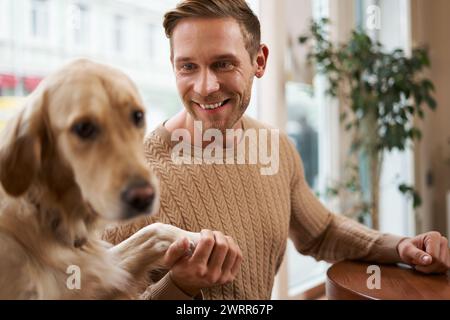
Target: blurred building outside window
point(80, 24)
point(151, 40)
point(39, 18)
point(119, 40)
point(304, 272)
point(39, 36)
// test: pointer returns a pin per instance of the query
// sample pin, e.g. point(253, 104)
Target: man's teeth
point(212, 106)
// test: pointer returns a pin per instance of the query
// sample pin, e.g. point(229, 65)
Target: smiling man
point(216, 53)
point(213, 70)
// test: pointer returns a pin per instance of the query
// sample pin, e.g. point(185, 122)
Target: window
point(104, 31)
point(311, 123)
point(110, 30)
point(302, 128)
point(119, 22)
point(80, 24)
point(396, 212)
point(304, 118)
point(39, 18)
point(4, 18)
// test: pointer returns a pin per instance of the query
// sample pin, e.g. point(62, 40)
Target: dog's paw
point(162, 246)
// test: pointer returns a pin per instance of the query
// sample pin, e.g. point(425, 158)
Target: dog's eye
point(85, 130)
point(138, 118)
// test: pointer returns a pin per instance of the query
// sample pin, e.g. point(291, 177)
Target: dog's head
point(82, 128)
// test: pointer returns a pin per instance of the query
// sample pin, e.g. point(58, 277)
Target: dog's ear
point(20, 146)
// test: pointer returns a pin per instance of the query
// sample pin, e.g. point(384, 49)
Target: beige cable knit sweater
point(258, 211)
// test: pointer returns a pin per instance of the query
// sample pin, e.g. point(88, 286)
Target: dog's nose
point(139, 197)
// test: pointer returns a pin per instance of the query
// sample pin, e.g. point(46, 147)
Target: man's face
point(213, 69)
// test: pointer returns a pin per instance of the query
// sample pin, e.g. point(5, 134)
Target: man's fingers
point(231, 255)
point(219, 253)
point(177, 250)
point(229, 260)
point(444, 256)
point(204, 247)
point(432, 243)
point(237, 263)
point(440, 264)
point(426, 270)
point(417, 257)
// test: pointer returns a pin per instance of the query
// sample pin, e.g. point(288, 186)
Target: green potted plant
point(381, 93)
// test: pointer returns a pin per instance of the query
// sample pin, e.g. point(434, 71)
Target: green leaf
point(404, 188)
point(431, 102)
point(415, 133)
point(303, 39)
point(427, 84)
point(417, 200)
point(421, 114)
point(409, 191)
point(384, 88)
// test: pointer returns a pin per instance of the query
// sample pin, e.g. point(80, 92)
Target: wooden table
point(347, 280)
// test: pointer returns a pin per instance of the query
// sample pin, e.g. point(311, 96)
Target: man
point(215, 54)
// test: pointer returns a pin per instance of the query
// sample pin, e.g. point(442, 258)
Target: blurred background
point(38, 36)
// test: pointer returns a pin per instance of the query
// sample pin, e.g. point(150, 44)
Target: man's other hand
point(427, 252)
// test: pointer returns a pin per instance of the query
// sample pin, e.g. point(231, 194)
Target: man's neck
point(183, 120)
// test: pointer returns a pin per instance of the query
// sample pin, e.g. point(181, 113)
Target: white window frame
point(152, 41)
point(4, 18)
point(119, 44)
point(80, 24)
point(39, 17)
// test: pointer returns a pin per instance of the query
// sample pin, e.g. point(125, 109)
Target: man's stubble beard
point(223, 125)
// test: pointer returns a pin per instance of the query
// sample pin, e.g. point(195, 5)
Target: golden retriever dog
point(72, 158)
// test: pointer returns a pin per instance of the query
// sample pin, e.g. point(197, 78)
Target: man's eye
point(187, 67)
point(224, 65)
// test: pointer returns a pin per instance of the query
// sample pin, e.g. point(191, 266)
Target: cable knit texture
point(258, 211)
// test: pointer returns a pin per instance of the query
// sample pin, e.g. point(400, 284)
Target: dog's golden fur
point(55, 188)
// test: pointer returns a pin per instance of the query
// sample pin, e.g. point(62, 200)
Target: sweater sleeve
point(316, 231)
point(165, 288)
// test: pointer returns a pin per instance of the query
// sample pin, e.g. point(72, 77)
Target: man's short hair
point(237, 9)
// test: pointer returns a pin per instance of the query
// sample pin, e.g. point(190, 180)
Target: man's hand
point(427, 252)
point(215, 261)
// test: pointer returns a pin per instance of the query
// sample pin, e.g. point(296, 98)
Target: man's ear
point(261, 60)
point(20, 146)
